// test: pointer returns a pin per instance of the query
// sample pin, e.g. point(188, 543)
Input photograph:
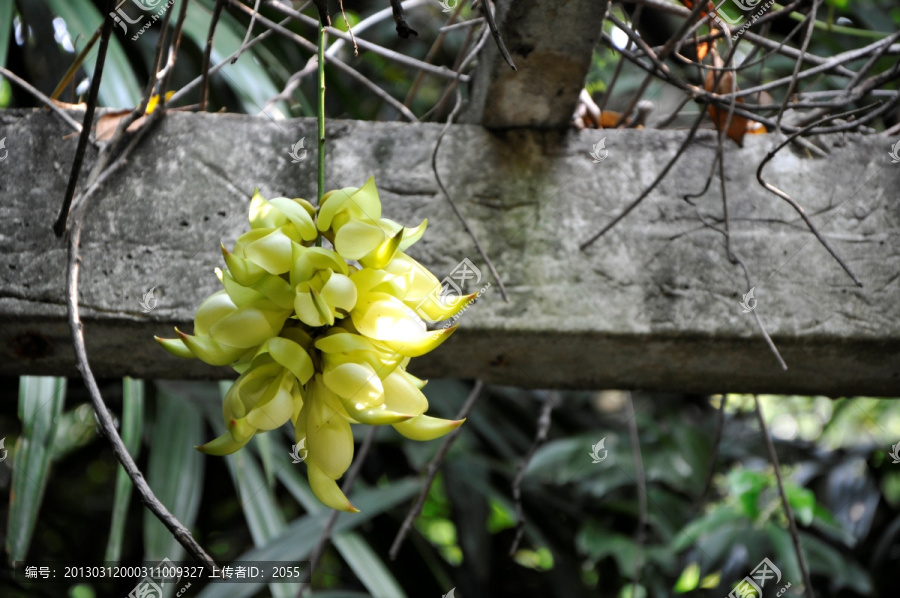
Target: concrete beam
point(654, 304)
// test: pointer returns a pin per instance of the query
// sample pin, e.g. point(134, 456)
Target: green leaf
point(119, 86)
point(132, 426)
point(688, 580)
point(76, 428)
point(174, 472)
point(802, 501)
point(263, 516)
point(7, 9)
point(706, 525)
point(40, 404)
point(249, 82)
point(299, 538)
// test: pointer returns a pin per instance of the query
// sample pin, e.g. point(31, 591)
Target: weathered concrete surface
point(551, 44)
point(652, 305)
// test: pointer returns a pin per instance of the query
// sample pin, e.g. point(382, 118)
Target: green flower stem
point(321, 119)
point(321, 111)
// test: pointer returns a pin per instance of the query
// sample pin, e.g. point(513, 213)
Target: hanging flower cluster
point(321, 337)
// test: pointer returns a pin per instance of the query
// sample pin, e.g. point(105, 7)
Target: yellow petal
point(425, 427)
point(243, 271)
point(327, 490)
point(214, 308)
point(355, 383)
point(209, 350)
point(420, 346)
point(298, 215)
point(249, 325)
point(176, 347)
point(377, 416)
point(328, 438)
point(291, 355)
point(382, 254)
point(274, 411)
point(311, 308)
point(271, 252)
point(402, 396)
point(339, 292)
point(358, 238)
point(221, 446)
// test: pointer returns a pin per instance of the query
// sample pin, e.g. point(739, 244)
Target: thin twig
point(325, 536)
point(429, 57)
point(792, 524)
point(449, 197)
point(811, 17)
point(49, 103)
point(642, 493)
point(461, 25)
point(732, 256)
point(650, 188)
point(173, 53)
point(60, 226)
point(311, 47)
point(794, 204)
point(76, 327)
point(489, 15)
point(403, 28)
point(735, 259)
point(551, 400)
point(433, 468)
point(183, 91)
point(250, 31)
point(76, 64)
point(349, 28)
point(397, 57)
point(207, 53)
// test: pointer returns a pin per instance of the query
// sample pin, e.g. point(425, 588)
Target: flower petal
point(327, 490)
point(355, 382)
point(328, 438)
point(358, 238)
point(425, 427)
point(402, 396)
point(221, 446)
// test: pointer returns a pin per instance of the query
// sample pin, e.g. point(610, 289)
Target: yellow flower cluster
point(321, 337)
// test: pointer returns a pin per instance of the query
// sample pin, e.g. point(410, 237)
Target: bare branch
point(792, 524)
point(551, 399)
point(433, 468)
